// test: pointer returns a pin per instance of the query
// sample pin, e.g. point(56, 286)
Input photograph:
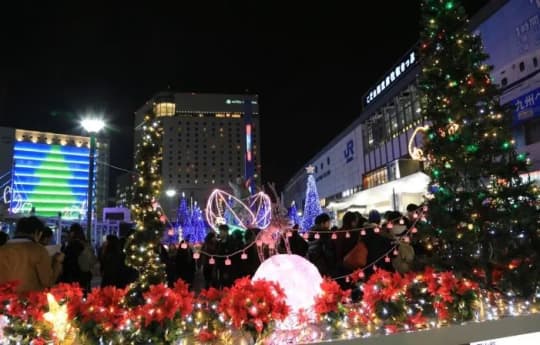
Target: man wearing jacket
point(25, 260)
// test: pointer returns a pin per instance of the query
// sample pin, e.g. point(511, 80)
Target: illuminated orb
point(299, 278)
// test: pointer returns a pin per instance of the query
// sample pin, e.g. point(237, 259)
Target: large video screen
point(51, 179)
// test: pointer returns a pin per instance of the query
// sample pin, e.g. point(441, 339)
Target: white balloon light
point(299, 278)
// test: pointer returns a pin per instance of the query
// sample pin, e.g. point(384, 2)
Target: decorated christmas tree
point(292, 213)
point(143, 245)
point(483, 217)
point(198, 225)
point(183, 218)
point(312, 206)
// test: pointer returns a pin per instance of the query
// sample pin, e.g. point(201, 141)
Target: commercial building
point(124, 188)
point(368, 165)
point(47, 174)
point(208, 141)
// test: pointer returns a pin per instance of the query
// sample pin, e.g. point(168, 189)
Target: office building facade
point(209, 140)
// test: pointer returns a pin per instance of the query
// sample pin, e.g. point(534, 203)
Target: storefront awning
point(413, 184)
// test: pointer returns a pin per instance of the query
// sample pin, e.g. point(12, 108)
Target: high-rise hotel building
point(208, 140)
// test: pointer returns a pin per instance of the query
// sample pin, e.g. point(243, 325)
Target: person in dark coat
point(297, 243)
point(209, 271)
point(79, 259)
point(3, 238)
point(322, 251)
point(185, 264)
point(226, 245)
point(112, 263)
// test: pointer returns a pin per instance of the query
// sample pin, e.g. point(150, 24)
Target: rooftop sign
point(392, 76)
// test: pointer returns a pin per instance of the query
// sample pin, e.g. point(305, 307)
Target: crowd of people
point(30, 259)
point(336, 252)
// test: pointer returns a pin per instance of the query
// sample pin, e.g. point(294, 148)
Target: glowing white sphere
point(299, 278)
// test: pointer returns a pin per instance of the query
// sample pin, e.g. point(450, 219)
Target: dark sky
point(310, 64)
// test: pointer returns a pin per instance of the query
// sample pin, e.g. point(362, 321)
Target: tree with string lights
point(183, 218)
point(143, 245)
point(482, 215)
point(292, 213)
point(198, 225)
point(312, 206)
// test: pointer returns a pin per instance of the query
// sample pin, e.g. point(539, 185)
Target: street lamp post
point(92, 126)
point(170, 193)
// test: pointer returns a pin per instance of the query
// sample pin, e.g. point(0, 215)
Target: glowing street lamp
point(92, 125)
point(170, 193)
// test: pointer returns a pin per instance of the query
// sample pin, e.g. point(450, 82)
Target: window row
point(394, 118)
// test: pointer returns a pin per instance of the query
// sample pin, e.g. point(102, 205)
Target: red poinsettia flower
point(497, 275)
point(38, 341)
point(37, 305)
point(332, 295)
point(391, 329)
point(357, 317)
point(186, 298)
point(448, 280)
point(417, 321)
point(104, 307)
point(464, 286)
point(431, 280)
point(8, 295)
point(205, 336)
point(253, 305)
point(162, 304)
point(9, 287)
point(390, 293)
point(442, 311)
point(211, 294)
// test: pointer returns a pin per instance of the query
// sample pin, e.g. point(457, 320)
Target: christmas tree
point(312, 206)
point(143, 245)
point(183, 218)
point(482, 216)
point(293, 214)
point(198, 225)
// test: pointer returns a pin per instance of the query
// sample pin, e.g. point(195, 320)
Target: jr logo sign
point(349, 151)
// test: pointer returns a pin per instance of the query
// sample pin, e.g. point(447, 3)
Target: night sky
point(310, 64)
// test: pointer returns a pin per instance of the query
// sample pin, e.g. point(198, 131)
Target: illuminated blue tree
point(183, 218)
point(228, 215)
point(198, 225)
point(312, 207)
point(293, 214)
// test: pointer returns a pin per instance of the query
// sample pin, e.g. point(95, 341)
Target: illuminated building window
point(165, 109)
point(375, 178)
